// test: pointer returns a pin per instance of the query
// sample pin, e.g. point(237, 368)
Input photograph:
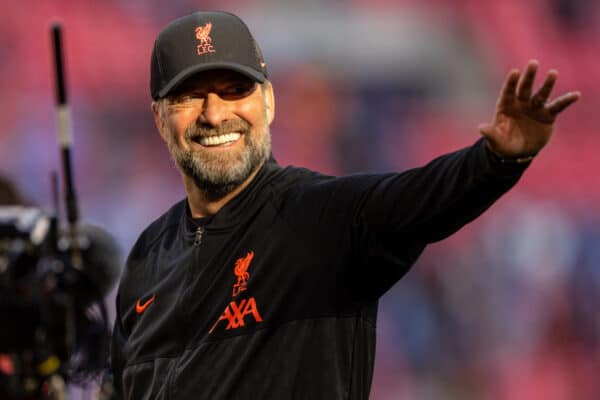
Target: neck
point(202, 205)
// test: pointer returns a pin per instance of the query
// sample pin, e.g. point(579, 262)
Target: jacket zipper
point(198, 236)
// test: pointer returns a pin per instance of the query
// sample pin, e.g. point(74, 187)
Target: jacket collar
point(241, 207)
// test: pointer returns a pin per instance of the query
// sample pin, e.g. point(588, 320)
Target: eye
point(237, 90)
point(186, 98)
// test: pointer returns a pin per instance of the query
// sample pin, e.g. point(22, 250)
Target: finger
point(507, 94)
point(540, 98)
point(560, 103)
point(526, 82)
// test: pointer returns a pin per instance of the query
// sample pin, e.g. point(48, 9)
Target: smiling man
point(263, 282)
point(216, 125)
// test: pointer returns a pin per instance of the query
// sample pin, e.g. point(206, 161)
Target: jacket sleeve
point(401, 213)
point(434, 201)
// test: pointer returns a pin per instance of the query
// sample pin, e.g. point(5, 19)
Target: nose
point(214, 110)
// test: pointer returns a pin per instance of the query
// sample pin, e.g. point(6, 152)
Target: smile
point(219, 140)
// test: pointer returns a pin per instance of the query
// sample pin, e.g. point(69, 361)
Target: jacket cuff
point(499, 166)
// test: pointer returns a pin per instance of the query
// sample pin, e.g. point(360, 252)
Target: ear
point(160, 124)
point(269, 101)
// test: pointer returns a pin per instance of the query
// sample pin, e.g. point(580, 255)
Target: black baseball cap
point(199, 42)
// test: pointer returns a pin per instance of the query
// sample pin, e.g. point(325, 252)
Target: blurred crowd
point(508, 308)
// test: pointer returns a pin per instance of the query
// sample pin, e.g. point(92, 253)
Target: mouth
point(218, 140)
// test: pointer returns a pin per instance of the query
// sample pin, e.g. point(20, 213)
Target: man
point(264, 281)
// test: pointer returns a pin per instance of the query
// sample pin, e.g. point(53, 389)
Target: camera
point(52, 284)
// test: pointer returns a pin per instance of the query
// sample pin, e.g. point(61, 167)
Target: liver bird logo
point(203, 35)
point(241, 271)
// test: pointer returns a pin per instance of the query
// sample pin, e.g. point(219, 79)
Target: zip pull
point(198, 236)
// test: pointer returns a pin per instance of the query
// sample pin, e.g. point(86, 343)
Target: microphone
point(101, 257)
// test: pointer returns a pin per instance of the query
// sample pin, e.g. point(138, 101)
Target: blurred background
point(508, 308)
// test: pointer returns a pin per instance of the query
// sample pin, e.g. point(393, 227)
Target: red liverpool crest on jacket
point(236, 311)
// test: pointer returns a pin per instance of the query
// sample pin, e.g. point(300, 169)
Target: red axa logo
point(203, 35)
point(236, 312)
point(241, 271)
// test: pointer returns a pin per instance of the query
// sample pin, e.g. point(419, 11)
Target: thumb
point(487, 130)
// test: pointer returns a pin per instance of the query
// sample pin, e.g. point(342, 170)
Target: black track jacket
point(276, 297)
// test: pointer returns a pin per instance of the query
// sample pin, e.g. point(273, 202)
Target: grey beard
point(217, 175)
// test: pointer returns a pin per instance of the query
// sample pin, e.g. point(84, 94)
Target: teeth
point(219, 140)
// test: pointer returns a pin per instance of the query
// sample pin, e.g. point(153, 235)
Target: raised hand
point(524, 121)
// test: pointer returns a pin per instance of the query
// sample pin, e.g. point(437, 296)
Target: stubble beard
point(218, 173)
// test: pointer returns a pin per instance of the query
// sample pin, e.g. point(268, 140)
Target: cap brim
point(193, 70)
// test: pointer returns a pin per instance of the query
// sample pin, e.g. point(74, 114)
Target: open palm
point(524, 121)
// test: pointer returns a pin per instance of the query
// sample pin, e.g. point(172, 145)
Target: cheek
point(252, 111)
point(177, 123)
point(172, 136)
